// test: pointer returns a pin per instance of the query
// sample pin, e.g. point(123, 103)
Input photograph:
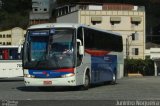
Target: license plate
point(47, 82)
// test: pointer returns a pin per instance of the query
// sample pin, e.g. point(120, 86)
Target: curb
point(135, 75)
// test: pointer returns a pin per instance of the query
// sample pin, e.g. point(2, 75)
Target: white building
point(121, 18)
point(154, 54)
point(15, 36)
point(41, 11)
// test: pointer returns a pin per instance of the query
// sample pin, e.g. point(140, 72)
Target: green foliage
point(14, 13)
point(14, 6)
point(145, 67)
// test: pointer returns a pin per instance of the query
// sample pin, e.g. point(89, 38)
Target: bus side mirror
point(19, 48)
point(81, 50)
point(81, 47)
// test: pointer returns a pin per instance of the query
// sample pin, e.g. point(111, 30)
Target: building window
point(45, 9)
point(0, 36)
point(3, 35)
point(8, 36)
point(8, 43)
point(3, 43)
point(135, 51)
point(115, 20)
point(35, 9)
point(135, 21)
point(135, 36)
point(0, 43)
point(96, 20)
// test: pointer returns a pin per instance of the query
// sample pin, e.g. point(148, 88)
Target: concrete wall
point(69, 18)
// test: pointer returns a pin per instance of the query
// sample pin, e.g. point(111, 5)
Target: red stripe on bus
point(71, 70)
point(97, 52)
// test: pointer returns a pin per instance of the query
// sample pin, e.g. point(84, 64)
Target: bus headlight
point(29, 76)
point(68, 75)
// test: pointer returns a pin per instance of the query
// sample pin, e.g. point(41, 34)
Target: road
point(141, 88)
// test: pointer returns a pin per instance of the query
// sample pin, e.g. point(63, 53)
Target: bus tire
point(113, 82)
point(86, 83)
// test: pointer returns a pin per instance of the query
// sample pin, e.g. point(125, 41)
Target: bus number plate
point(47, 82)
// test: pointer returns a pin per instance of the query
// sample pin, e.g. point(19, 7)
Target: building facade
point(14, 36)
point(128, 20)
point(41, 11)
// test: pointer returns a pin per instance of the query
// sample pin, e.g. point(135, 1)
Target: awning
point(136, 19)
point(115, 19)
point(96, 18)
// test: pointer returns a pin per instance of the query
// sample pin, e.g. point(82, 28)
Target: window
point(3, 35)
point(102, 41)
point(0, 36)
point(135, 51)
point(115, 20)
point(9, 54)
point(135, 36)
point(79, 36)
point(8, 36)
point(3, 43)
point(45, 9)
point(136, 21)
point(96, 20)
point(35, 9)
point(8, 43)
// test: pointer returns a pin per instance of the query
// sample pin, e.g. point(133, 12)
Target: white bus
point(70, 55)
point(10, 62)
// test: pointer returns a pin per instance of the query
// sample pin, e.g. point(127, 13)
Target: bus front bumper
point(68, 81)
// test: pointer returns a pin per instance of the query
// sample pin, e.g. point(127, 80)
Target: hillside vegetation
point(14, 13)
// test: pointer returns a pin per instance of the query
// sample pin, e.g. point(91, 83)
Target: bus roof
point(67, 25)
point(50, 25)
point(9, 46)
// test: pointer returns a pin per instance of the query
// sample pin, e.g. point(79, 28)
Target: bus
point(10, 62)
point(58, 54)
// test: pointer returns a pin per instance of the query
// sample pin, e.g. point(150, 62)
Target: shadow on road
point(11, 79)
point(58, 89)
point(46, 89)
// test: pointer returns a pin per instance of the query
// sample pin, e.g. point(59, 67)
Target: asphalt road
point(142, 88)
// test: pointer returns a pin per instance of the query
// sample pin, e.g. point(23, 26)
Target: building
point(153, 53)
point(128, 20)
point(14, 36)
point(41, 11)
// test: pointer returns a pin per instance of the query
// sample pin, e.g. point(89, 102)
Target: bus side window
point(79, 36)
point(1, 55)
point(5, 54)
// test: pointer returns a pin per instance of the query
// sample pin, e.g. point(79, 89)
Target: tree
point(15, 13)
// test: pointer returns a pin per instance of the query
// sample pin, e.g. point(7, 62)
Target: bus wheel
point(86, 83)
point(113, 82)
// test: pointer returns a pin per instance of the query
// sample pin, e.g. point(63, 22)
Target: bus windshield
point(50, 49)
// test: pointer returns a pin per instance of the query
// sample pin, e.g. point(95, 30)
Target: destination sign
point(39, 33)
